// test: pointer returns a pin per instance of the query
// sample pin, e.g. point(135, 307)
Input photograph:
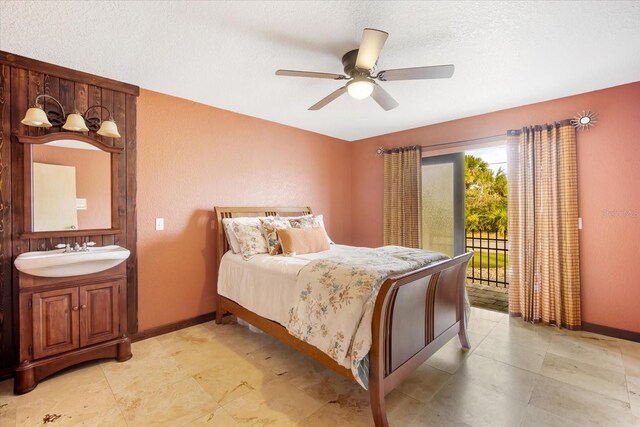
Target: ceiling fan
point(360, 65)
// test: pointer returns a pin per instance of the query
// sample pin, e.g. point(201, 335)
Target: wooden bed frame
point(415, 315)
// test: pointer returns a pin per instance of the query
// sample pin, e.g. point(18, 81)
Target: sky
point(496, 156)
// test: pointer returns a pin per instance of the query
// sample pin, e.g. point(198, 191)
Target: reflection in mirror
point(71, 186)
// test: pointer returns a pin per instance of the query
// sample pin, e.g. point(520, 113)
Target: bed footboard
point(415, 315)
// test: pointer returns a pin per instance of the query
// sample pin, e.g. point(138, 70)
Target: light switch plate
point(159, 224)
point(579, 223)
point(81, 204)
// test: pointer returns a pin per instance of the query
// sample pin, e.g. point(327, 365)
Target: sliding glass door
point(443, 204)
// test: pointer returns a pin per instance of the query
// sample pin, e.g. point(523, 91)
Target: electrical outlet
point(159, 224)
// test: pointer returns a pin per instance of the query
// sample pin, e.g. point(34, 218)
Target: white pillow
point(231, 238)
point(321, 223)
point(227, 223)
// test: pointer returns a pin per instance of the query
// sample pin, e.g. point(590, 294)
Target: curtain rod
point(382, 150)
point(576, 122)
point(444, 144)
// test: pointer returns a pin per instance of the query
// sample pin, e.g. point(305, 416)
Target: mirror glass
point(70, 186)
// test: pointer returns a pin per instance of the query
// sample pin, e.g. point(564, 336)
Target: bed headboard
point(235, 212)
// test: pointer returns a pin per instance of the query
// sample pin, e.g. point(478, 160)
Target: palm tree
point(485, 197)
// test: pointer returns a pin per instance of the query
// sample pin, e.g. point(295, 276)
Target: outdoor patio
point(488, 297)
point(487, 282)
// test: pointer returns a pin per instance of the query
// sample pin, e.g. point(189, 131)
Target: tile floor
point(517, 374)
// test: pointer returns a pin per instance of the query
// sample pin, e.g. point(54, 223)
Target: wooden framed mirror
point(70, 186)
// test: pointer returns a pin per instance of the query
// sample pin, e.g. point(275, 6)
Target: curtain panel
point(544, 269)
point(402, 194)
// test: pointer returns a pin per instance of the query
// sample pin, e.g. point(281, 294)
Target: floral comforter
point(335, 298)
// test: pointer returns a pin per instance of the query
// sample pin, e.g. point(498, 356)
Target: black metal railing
point(490, 260)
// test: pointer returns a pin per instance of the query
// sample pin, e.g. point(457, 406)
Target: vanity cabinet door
point(99, 312)
point(55, 322)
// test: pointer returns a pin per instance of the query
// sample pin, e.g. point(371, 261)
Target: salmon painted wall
point(192, 157)
point(93, 180)
point(608, 190)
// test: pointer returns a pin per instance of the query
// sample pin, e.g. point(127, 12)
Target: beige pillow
point(298, 241)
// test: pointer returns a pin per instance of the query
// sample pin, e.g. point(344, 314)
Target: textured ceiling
point(225, 53)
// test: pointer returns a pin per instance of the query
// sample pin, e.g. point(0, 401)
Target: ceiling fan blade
point(313, 74)
point(327, 99)
point(383, 98)
point(370, 47)
point(417, 73)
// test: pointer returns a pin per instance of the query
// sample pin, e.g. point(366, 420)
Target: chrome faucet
point(67, 247)
point(76, 247)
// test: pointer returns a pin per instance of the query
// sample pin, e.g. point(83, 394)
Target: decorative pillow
point(270, 226)
point(250, 238)
point(227, 223)
point(309, 221)
point(298, 241)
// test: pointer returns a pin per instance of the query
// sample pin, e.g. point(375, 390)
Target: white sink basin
point(56, 263)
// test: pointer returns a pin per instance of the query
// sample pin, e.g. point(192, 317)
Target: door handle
point(83, 306)
point(75, 308)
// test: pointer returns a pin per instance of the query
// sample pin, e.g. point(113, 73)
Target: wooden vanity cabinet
point(69, 320)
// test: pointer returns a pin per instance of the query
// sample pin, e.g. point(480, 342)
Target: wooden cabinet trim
point(28, 281)
point(63, 72)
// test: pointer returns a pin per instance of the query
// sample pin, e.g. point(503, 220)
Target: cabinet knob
point(83, 306)
point(75, 308)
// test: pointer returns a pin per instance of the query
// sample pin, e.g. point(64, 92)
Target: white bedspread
point(265, 284)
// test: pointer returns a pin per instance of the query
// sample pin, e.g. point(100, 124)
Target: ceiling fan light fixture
point(360, 89)
point(361, 73)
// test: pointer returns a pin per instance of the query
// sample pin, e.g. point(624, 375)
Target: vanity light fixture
point(36, 116)
point(108, 127)
point(76, 122)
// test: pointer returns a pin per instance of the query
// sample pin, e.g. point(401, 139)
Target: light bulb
point(360, 89)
